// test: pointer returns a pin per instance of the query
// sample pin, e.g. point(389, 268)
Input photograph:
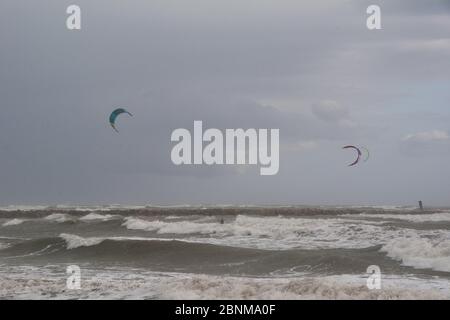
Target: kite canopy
point(114, 115)
point(358, 157)
point(366, 153)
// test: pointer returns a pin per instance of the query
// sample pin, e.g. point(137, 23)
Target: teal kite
point(114, 115)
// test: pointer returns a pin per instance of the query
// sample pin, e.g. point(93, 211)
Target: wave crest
point(420, 253)
point(74, 241)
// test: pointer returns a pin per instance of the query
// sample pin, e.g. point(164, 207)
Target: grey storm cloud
point(311, 69)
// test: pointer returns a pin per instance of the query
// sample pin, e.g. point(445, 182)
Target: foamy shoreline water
point(49, 283)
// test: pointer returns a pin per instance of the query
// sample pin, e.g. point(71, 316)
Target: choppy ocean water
point(224, 252)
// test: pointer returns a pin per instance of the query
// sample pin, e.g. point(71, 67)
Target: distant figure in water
point(221, 221)
point(421, 205)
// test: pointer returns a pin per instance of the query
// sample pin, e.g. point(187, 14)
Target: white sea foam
point(180, 227)
point(326, 287)
point(419, 218)
point(281, 232)
point(13, 222)
point(380, 207)
point(74, 241)
point(58, 217)
point(95, 216)
point(96, 208)
point(420, 253)
point(391, 208)
point(22, 208)
point(49, 283)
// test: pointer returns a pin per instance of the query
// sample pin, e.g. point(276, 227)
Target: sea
point(224, 252)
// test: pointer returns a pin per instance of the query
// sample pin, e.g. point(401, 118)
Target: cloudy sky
point(310, 68)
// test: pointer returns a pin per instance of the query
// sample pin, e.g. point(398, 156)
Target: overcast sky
point(310, 68)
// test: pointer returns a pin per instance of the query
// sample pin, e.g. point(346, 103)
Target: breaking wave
point(342, 287)
point(418, 218)
point(74, 241)
point(39, 283)
point(168, 254)
point(281, 232)
point(13, 222)
point(59, 217)
point(96, 216)
point(420, 253)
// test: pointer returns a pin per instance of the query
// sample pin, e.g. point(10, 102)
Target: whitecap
point(420, 253)
point(13, 222)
